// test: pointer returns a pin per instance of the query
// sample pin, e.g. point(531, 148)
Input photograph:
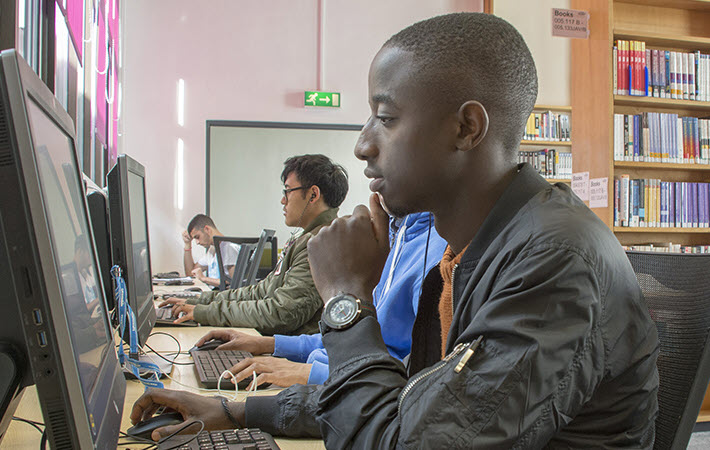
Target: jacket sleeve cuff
point(296, 348)
point(319, 373)
point(200, 314)
point(203, 299)
point(262, 411)
point(366, 333)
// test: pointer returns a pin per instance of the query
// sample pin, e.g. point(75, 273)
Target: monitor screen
point(139, 237)
point(69, 235)
point(54, 330)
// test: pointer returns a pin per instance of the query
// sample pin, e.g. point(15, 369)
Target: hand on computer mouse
point(214, 344)
point(191, 406)
point(235, 340)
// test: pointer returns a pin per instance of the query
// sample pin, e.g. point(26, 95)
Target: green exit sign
point(317, 98)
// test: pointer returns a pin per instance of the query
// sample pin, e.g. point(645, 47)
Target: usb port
point(37, 316)
point(42, 339)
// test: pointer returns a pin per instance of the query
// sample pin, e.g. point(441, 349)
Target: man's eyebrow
point(384, 99)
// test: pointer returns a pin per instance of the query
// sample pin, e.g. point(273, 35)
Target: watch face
point(342, 311)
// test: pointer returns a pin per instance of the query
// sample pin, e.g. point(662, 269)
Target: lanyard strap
point(124, 310)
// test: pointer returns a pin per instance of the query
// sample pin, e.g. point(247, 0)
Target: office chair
point(677, 292)
point(246, 248)
point(255, 259)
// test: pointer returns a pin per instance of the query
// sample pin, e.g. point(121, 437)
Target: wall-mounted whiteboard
point(244, 164)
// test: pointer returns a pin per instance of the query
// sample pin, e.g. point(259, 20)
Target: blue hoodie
point(396, 296)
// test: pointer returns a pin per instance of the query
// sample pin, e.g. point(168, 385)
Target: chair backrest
point(255, 259)
point(246, 247)
point(677, 292)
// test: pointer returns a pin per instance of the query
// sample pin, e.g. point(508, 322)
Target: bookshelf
point(680, 25)
point(559, 146)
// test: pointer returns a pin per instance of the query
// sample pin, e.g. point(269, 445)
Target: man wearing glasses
point(286, 301)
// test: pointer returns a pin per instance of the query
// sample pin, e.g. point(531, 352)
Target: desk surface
point(21, 436)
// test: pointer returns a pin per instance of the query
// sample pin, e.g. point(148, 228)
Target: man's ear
point(473, 125)
point(314, 194)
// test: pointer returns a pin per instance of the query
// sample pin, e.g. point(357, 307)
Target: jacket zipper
point(433, 370)
point(446, 359)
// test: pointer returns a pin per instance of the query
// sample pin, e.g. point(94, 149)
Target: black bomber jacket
point(566, 359)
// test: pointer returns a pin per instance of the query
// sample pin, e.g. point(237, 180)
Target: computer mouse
point(209, 345)
point(145, 428)
point(194, 289)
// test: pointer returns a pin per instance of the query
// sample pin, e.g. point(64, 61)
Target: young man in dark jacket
point(285, 301)
point(533, 334)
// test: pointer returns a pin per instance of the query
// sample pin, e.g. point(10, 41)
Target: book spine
point(637, 135)
point(666, 67)
point(615, 67)
point(656, 73)
point(624, 200)
point(691, 75)
point(634, 199)
point(617, 196)
point(664, 204)
point(678, 191)
point(685, 71)
point(694, 204)
point(642, 203)
point(671, 204)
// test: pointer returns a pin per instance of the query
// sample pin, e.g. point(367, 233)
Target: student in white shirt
point(203, 230)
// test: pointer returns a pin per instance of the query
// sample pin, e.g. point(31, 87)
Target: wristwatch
point(343, 311)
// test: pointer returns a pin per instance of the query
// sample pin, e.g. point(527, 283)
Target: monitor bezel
point(122, 239)
point(36, 280)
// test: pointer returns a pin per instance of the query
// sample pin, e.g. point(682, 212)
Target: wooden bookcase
point(561, 146)
point(680, 25)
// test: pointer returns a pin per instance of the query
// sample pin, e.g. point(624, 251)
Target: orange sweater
point(446, 305)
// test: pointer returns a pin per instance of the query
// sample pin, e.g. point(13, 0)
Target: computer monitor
point(246, 247)
point(54, 330)
point(130, 245)
point(255, 260)
point(97, 201)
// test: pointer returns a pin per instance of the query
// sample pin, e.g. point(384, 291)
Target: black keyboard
point(164, 316)
point(209, 365)
point(240, 439)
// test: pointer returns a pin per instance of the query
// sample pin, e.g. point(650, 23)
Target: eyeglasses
point(288, 191)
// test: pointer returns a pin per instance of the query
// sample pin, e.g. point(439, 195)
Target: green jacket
point(285, 302)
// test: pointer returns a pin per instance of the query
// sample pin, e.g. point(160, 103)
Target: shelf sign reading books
point(599, 192)
point(317, 98)
point(580, 185)
point(570, 23)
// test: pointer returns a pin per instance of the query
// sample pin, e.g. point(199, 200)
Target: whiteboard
point(244, 164)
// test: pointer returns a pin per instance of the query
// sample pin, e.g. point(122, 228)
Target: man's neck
point(459, 220)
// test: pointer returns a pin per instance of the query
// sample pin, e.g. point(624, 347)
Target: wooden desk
point(21, 436)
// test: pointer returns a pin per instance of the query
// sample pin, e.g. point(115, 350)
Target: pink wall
point(241, 60)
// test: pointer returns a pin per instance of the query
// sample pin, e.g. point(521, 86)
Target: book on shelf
point(661, 204)
point(550, 163)
point(547, 126)
point(661, 137)
point(641, 71)
point(668, 247)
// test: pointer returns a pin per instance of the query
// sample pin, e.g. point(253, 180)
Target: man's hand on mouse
point(269, 369)
point(191, 406)
point(235, 340)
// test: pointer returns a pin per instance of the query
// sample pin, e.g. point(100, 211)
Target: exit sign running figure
point(317, 98)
